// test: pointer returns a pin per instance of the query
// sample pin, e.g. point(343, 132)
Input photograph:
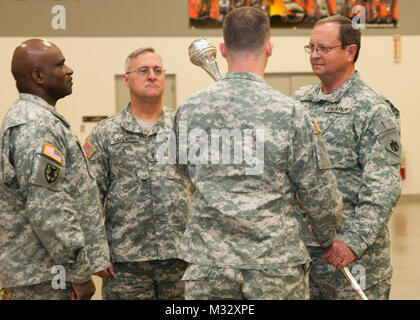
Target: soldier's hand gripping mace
point(203, 54)
point(345, 270)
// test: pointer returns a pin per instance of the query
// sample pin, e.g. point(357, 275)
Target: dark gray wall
point(156, 18)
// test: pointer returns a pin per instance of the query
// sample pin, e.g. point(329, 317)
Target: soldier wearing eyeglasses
point(361, 130)
point(145, 202)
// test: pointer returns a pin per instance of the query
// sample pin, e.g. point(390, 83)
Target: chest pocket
point(128, 158)
point(340, 136)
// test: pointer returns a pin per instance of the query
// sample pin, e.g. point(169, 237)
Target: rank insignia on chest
point(51, 173)
point(52, 153)
point(88, 149)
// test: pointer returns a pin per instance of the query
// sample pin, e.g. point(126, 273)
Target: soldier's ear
point(124, 78)
point(351, 52)
point(222, 49)
point(37, 76)
point(269, 49)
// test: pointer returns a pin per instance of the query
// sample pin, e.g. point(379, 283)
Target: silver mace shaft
point(353, 283)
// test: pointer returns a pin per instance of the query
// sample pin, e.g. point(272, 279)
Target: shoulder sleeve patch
point(88, 149)
point(48, 174)
point(388, 133)
point(393, 144)
point(52, 153)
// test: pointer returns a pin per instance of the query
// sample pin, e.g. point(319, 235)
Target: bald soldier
point(52, 238)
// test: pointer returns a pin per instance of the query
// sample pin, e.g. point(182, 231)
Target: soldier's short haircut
point(136, 53)
point(348, 34)
point(246, 29)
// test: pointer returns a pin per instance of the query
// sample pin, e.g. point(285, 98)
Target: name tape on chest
point(125, 139)
point(342, 110)
point(88, 149)
point(52, 152)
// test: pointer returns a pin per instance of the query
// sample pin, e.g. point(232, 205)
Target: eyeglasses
point(321, 50)
point(145, 71)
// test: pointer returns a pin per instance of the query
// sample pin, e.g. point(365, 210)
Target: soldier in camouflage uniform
point(50, 214)
point(243, 239)
point(146, 202)
point(361, 131)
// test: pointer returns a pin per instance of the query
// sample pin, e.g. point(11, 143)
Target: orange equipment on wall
point(204, 9)
point(293, 12)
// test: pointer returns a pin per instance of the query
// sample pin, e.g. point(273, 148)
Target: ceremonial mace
point(203, 54)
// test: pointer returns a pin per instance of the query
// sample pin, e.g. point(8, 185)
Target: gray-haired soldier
point(50, 213)
point(361, 131)
point(243, 239)
point(146, 203)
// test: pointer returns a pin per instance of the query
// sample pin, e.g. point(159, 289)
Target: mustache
point(315, 61)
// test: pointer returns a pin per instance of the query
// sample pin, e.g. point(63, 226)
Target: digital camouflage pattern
point(361, 131)
point(50, 212)
point(41, 291)
point(146, 202)
point(146, 280)
point(245, 221)
point(215, 283)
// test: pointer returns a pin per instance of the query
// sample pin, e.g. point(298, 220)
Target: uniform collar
point(129, 122)
point(244, 75)
point(335, 96)
point(42, 103)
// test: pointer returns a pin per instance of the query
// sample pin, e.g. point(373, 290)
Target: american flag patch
point(88, 149)
point(53, 153)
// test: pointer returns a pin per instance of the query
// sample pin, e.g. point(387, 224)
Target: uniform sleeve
point(380, 156)
point(314, 180)
point(40, 158)
point(96, 154)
